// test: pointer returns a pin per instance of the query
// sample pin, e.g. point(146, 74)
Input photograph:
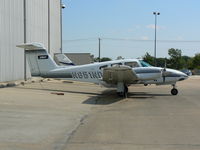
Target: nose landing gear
point(174, 91)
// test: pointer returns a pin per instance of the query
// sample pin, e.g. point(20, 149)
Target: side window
point(102, 67)
point(131, 64)
point(116, 64)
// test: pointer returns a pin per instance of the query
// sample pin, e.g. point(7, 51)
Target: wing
point(125, 74)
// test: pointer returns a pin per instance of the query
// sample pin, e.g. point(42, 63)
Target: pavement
point(32, 118)
point(90, 117)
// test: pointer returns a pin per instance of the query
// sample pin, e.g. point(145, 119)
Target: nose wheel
point(174, 91)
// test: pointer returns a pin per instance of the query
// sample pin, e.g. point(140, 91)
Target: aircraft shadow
point(144, 95)
point(107, 97)
point(64, 91)
point(110, 96)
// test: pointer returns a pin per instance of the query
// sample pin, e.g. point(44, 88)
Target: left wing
point(125, 74)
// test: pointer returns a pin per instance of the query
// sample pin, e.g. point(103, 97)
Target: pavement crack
point(63, 145)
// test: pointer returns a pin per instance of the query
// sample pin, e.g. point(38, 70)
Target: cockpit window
point(132, 64)
point(144, 64)
point(102, 67)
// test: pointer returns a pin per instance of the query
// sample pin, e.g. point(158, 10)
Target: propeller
point(164, 72)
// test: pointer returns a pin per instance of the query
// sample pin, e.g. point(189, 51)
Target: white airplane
point(117, 73)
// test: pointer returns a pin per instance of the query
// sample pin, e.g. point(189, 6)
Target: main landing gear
point(174, 91)
point(122, 89)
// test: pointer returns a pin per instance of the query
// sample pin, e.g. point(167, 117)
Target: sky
point(121, 23)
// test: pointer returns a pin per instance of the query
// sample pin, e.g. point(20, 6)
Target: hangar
point(24, 21)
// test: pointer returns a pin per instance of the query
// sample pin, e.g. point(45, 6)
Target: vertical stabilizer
point(39, 60)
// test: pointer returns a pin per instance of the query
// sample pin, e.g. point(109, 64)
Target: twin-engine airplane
point(118, 73)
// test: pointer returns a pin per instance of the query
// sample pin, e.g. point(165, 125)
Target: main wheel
point(174, 91)
point(125, 89)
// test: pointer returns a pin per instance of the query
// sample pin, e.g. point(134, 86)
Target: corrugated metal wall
point(12, 32)
point(55, 30)
point(37, 21)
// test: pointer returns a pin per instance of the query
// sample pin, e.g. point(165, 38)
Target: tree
point(161, 62)
point(96, 59)
point(102, 59)
point(187, 62)
point(176, 61)
point(196, 61)
point(119, 58)
point(148, 58)
point(105, 59)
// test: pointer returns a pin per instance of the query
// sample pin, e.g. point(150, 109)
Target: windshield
point(144, 64)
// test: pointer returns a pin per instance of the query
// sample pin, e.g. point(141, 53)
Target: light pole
point(49, 28)
point(99, 49)
point(62, 6)
point(156, 14)
point(25, 39)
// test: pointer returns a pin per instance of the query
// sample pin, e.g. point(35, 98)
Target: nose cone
point(177, 75)
point(183, 76)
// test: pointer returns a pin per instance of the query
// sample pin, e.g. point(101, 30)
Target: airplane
point(118, 73)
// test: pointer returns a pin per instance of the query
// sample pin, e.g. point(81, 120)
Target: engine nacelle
point(148, 73)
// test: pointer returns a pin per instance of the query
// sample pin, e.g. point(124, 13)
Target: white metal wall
point(55, 31)
point(12, 32)
point(37, 21)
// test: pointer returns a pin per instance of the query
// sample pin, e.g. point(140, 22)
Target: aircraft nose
point(182, 75)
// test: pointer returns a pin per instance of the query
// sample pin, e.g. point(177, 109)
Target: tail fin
point(39, 60)
point(63, 60)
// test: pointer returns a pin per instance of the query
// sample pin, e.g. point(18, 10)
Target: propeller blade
point(163, 79)
point(164, 71)
point(164, 74)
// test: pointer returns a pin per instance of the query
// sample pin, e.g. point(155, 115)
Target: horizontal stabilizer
point(32, 46)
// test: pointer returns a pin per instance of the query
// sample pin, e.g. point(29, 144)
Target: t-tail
point(39, 60)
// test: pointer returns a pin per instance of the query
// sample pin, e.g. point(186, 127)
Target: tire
point(125, 89)
point(174, 91)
